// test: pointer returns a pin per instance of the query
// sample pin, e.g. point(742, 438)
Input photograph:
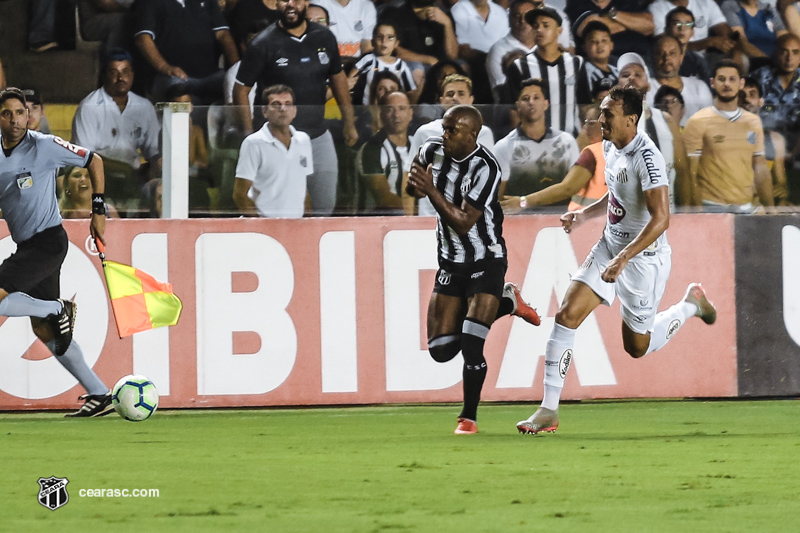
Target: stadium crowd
point(317, 108)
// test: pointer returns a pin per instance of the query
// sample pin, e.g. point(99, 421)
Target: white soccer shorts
point(640, 286)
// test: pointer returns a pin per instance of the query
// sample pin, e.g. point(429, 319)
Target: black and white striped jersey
point(476, 180)
point(370, 64)
point(560, 77)
point(589, 78)
point(379, 155)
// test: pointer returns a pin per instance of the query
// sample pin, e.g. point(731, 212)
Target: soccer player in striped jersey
point(558, 70)
point(461, 178)
point(383, 57)
point(632, 260)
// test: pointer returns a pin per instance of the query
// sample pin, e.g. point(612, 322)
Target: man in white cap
point(662, 129)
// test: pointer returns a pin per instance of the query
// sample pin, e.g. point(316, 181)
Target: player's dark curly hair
point(630, 98)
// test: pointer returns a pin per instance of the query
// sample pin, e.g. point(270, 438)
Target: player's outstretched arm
point(572, 219)
point(575, 180)
point(97, 226)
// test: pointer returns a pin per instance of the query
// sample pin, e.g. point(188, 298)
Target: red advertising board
point(332, 311)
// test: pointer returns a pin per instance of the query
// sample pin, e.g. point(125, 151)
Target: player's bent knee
point(444, 348)
point(567, 318)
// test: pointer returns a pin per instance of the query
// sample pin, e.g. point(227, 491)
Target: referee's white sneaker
point(542, 420)
point(63, 324)
point(705, 309)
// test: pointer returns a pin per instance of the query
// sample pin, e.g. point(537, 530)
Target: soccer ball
point(134, 398)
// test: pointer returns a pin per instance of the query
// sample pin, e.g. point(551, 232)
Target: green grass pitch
point(646, 466)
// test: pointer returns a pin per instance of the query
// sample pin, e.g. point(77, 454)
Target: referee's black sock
point(473, 337)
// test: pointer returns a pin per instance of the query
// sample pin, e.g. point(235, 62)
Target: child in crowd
point(385, 42)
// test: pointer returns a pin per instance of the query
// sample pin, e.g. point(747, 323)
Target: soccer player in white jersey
point(461, 179)
point(632, 260)
point(30, 277)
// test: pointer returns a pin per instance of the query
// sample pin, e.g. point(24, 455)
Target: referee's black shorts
point(35, 268)
point(465, 280)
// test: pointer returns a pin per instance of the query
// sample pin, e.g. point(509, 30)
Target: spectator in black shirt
point(304, 56)
point(427, 32)
point(247, 12)
point(179, 40)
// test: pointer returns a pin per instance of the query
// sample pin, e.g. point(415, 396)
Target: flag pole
point(101, 250)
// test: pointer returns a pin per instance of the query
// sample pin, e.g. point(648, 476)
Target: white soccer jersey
point(350, 23)
point(529, 166)
point(629, 172)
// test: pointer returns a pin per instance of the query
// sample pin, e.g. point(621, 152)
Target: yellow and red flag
point(139, 301)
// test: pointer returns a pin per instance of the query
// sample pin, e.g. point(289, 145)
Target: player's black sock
point(444, 347)
point(472, 341)
point(505, 308)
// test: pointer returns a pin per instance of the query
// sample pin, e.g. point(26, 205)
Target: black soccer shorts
point(35, 268)
point(466, 280)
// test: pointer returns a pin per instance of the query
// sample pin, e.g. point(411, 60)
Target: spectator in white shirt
point(352, 23)
point(274, 161)
point(123, 128)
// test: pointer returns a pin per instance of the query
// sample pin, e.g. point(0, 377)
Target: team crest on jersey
point(443, 278)
point(521, 153)
point(615, 210)
point(751, 137)
point(323, 57)
point(429, 41)
point(303, 161)
point(359, 26)
point(569, 80)
point(466, 183)
point(622, 176)
point(24, 180)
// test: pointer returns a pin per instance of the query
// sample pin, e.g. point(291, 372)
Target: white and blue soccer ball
point(134, 398)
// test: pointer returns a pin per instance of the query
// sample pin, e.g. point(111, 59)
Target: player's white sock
point(557, 358)
point(668, 322)
point(20, 304)
point(76, 365)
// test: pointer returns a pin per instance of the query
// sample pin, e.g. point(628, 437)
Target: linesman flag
point(139, 301)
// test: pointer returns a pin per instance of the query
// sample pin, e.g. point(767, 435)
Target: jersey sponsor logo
point(476, 275)
point(69, 146)
point(282, 61)
point(305, 60)
point(650, 165)
point(617, 233)
point(24, 180)
point(615, 210)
